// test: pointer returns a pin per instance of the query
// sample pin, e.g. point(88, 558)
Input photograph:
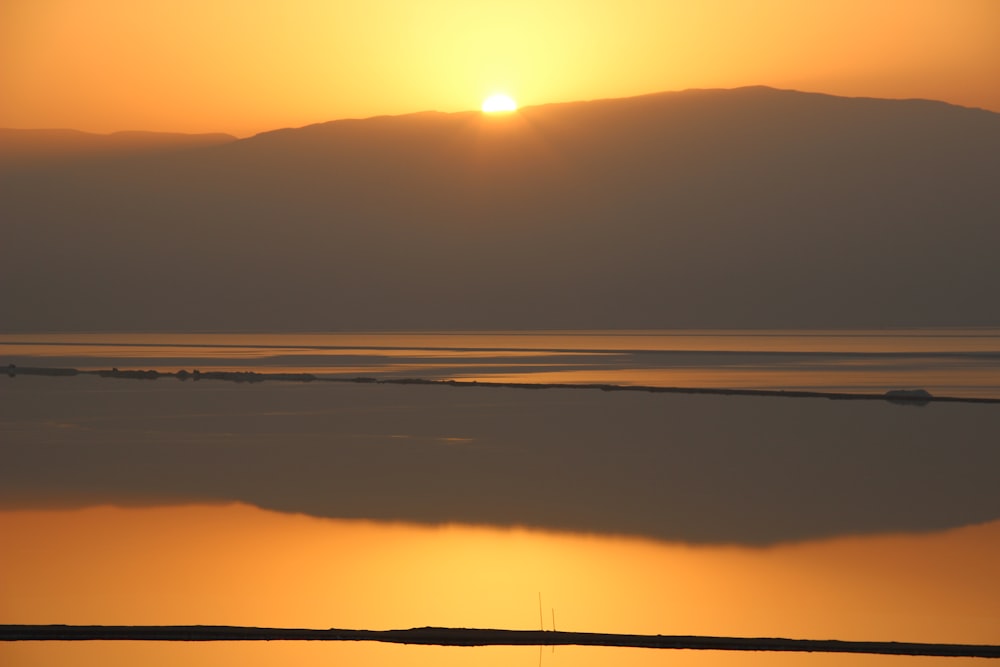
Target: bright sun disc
point(498, 103)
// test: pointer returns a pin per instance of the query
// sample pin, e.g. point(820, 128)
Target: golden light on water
point(499, 103)
point(860, 360)
point(165, 554)
point(235, 564)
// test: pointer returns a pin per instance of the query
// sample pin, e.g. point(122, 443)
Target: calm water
point(954, 362)
point(241, 565)
point(385, 506)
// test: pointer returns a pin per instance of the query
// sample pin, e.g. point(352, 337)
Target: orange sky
point(238, 67)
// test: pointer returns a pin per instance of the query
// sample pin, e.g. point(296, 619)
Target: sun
point(499, 103)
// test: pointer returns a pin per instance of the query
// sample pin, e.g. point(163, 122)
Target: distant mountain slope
point(23, 147)
point(751, 207)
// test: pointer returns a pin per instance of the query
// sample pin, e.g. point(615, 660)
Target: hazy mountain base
point(732, 208)
point(21, 149)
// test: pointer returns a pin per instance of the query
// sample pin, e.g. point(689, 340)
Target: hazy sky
point(244, 67)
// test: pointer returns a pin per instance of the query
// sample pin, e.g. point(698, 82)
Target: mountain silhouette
point(20, 148)
point(751, 207)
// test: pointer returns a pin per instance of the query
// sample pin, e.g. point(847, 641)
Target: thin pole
point(541, 623)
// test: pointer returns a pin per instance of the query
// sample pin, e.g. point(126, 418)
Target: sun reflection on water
point(235, 564)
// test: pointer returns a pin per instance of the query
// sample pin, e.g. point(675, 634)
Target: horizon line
point(239, 137)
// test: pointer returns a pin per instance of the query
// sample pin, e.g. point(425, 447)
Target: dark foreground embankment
point(480, 637)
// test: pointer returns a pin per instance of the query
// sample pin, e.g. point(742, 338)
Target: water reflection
point(396, 506)
point(701, 469)
point(958, 362)
point(236, 564)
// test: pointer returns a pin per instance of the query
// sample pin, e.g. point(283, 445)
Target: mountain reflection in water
point(393, 506)
point(699, 469)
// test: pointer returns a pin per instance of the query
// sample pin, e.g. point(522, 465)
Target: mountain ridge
point(41, 146)
point(223, 137)
point(750, 208)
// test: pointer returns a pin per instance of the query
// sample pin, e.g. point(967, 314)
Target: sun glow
point(499, 103)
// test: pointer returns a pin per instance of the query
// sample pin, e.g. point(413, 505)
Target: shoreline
point(914, 397)
point(483, 637)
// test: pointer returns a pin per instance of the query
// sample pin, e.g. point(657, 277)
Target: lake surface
point(240, 565)
point(387, 506)
point(953, 362)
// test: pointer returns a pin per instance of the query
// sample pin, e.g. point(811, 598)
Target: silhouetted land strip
point(480, 637)
point(904, 396)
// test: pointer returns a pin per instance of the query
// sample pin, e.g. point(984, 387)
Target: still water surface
point(234, 564)
point(954, 362)
point(377, 506)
